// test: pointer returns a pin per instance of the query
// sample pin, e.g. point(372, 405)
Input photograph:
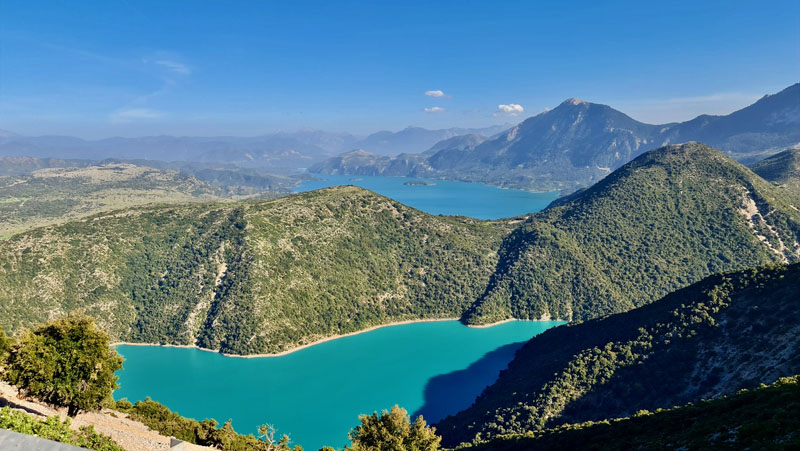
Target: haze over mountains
point(567, 148)
point(578, 143)
point(280, 152)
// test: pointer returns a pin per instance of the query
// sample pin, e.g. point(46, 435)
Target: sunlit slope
point(57, 195)
point(250, 277)
point(661, 222)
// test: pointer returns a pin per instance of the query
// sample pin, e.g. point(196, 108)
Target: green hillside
point(661, 222)
point(723, 334)
point(782, 169)
point(763, 418)
point(251, 277)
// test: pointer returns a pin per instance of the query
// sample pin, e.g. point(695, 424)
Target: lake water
point(444, 197)
point(316, 394)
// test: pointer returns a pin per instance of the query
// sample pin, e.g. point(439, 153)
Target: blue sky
point(202, 67)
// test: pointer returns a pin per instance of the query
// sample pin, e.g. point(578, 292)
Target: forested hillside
point(249, 277)
point(253, 277)
point(762, 418)
point(783, 169)
point(723, 334)
point(663, 221)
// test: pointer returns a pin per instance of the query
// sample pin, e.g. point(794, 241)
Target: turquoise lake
point(316, 394)
point(444, 197)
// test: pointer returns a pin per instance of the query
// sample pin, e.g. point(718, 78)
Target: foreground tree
point(393, 431)
point(67, 362)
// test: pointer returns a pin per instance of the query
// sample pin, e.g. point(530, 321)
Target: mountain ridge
point(649, 228)
point(578, 143)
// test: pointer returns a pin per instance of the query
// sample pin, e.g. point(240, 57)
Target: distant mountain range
point(417, 139)
point(280, 152)
point(578, 143)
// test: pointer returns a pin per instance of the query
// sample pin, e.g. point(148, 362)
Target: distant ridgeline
point(578, 143)
point(35, 192)
point(267, 276)
point(713, 338)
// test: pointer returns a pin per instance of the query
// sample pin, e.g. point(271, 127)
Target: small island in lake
point(419, 183)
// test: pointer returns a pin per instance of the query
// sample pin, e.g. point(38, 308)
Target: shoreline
point(484, 326)
point(289, 351)
point(320, 341)
point(420, 178)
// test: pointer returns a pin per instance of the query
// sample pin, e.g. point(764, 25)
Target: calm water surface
point(317, 393)
point(444, 197)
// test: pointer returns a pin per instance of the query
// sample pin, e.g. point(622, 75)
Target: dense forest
point(723, 334)
point(250, 277)
point(267, 276)
point(762, 418)
point(663, 221)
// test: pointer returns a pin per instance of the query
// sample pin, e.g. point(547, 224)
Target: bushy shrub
point(54, 429)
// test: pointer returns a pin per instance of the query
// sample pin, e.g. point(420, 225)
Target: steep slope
point(749, 134)
point(713, 338)
point(250, 277)
point(763, 418)
point(667, 219)
point(578, 143)
point(57, 195)
point(782, 169)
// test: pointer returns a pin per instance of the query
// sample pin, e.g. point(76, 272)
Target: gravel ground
point(129, 434)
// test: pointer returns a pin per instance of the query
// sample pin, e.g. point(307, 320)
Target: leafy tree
point(393, 431)
point(205, 433)
point(67, 362)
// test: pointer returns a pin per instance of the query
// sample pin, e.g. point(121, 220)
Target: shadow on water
point(447, 394)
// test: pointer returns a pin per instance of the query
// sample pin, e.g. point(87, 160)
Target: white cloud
point(435, 109)
point(174, 66)
point(512, 109)
point(436, 93)
point(132, 114)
